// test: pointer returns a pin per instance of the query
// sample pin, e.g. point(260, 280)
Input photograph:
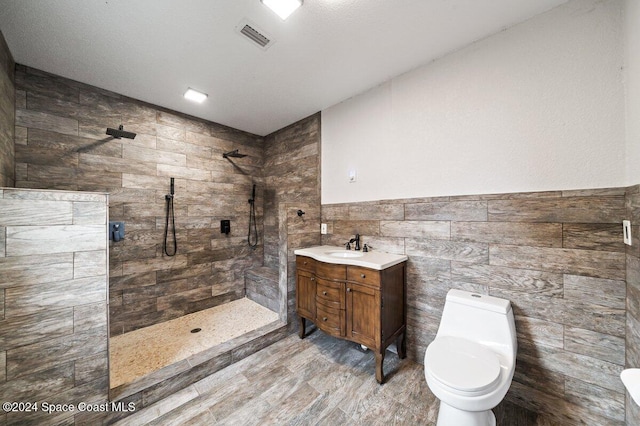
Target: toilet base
point(450, 416)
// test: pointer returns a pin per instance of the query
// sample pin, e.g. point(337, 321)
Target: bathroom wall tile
point(97, 164)
point(349, 228)
point(20, 135)
point(40, 356)
point(28, 299)
point(515, 233)
point(570, 261)
point(448, 210)
point(606, 237)
point(3, 236)
point(590, 370)
point(51, 195)
point(377, 212)
point(3, 366)
point(183, 172)
point(39, 386)
point(54, 155)
point(139, 181)
point(562, 210)
point(27, 329)
point(633, 285)
point(598, 291)
point(134, 295)
point(334, 212)
point(91, 367)
point(156, 264)
point(632, 342)
point(607, 403)
point(89, 316)
point(553, 410)
point(170, 132)
point(74, 395)
point(595, 317)
point(525, 280)
point(449, 250)
point(89, 264)
point(633, 204)
point(35, 269)
point(36, 81)
point(30, 240)
point(89, 213)
point(136, 153)
point(539, 331)
point(440, 230)
point(41, 120)
point(536, 378)
point(596, 345)
point(14, 212)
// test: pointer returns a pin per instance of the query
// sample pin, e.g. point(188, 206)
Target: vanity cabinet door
point(363, 315)
point(306, 294)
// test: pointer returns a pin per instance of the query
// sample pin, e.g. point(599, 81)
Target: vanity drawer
point(363, 275)
point(331, 271)
point(331, 320)
point(306, 263)
point(330, 293)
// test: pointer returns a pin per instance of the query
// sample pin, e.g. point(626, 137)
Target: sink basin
point(345, 254)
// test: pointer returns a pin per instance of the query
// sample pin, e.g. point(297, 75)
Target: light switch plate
point(626, 230)
point(352, 176)
point(323, 228)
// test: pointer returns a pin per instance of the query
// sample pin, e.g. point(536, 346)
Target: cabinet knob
point(324, 293)
point(313, 279)
point(305, 262)
point(324, 318)
point(348, 289)
point(362, 275)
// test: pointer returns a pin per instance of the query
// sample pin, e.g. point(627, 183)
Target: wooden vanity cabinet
point(363, 305)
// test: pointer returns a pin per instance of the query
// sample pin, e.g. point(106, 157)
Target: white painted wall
point(539, 106)
point(632, 86)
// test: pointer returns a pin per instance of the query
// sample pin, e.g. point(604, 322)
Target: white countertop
point(372, 259)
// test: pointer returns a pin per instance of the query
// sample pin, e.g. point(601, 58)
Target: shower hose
point(170, 214)
point(252, 219)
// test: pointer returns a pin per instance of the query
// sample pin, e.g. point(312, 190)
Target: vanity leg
point(301, 327)
point(401, 345)
point(379, 371)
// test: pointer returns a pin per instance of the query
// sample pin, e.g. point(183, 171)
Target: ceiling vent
point(251, 32)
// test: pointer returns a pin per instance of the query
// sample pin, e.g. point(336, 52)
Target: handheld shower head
point(233, 154)
point(120, 133)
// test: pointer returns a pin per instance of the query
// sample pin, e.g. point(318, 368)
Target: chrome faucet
point(357, 241)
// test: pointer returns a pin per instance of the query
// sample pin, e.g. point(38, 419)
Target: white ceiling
point(326, 52)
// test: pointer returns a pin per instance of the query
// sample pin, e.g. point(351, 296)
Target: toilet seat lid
point(462, 364)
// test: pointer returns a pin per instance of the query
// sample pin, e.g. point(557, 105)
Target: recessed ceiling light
point(194, 95)
point(283, 8)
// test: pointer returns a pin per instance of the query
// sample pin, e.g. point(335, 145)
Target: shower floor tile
point(140, 352)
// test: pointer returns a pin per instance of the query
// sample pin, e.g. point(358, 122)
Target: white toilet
point(470, 364)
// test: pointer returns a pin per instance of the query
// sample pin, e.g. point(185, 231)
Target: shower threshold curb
point(168, 380)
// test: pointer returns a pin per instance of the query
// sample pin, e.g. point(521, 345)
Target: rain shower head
point(233, 154)
point(120, 133)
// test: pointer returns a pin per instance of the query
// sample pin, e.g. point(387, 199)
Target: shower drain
point(196, 330)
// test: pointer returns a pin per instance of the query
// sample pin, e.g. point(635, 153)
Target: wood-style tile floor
point(319, 380)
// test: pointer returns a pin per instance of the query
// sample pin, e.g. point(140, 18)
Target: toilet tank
point(480, 318)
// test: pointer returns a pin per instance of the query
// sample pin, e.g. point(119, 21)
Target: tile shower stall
point(61, 151)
